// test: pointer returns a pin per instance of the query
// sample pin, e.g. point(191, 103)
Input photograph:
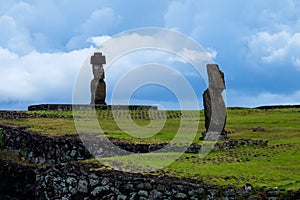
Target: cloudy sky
point(43, 45)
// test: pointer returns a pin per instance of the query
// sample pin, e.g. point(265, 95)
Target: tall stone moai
point(214, 105)
point(98, 85)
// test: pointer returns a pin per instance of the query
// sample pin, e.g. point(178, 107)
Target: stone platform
point(61, 107)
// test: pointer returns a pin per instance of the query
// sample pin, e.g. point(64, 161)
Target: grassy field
point(276, 165)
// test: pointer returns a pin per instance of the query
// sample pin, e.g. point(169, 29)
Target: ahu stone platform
point(61, 107)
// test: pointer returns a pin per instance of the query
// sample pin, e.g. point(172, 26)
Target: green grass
point(276, 165)
point(281, 125)
point(49, 126)
point(259, 166)
point(272, 166)
point(64, 125)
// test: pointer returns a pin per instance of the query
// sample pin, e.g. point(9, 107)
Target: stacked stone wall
point(75, 180)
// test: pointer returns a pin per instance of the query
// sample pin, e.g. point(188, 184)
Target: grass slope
point(277, 165)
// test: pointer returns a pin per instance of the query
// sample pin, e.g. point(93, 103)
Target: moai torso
point(214, 105)
point(98, 85)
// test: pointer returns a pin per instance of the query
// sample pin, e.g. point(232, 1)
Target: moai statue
point(214, 105)
point(98, 85)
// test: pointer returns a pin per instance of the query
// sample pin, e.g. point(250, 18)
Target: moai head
point(97, 60)
point(215, 77)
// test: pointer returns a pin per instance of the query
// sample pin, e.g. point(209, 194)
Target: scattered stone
point(259, 129)
point(248, 187)
point(155, 194)
point(193, 148)
point(73, 153)
point(104, 181)
point(143, 193)
point(146, 186)
point(180, 196)
point(99, 189)
point(82, 186)
point(121, 197)
point(94, 180)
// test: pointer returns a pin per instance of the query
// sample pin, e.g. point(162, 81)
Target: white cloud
point(278, 48)
point(197, 56)
point(48, 26)
point(239, 98)
point(19, 10)
point(98, 40)
point(159, 39)
point(39, 76)
point(267, 31)
point(296, 62)
point(14, 36)
point(209, 16)
point(98, 23)
point(10, 27)
point(269, 28)
point(131, 54)
point(181, 15)
point(48, 77)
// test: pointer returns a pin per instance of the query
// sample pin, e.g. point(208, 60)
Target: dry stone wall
point(23, 114)
point(40, 149)
point(61, 107)
point(75, 180)
point(81, 183)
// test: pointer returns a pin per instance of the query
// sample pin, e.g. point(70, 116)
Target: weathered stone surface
point(61, 107)
point(5, 114)
point(39, 149)
point(214, 105)
point(98, 85)
point(98, 59)
point(193, 148)
point(70, 181)
point(98, 89)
